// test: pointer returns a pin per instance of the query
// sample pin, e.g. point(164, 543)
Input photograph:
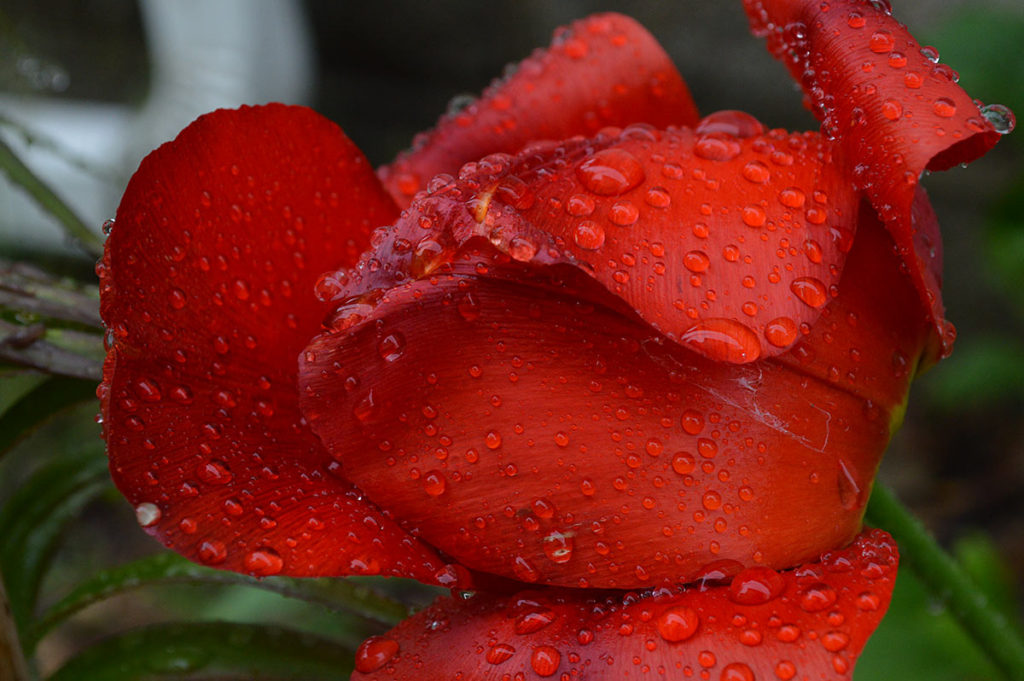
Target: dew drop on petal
point(809, 290)
point(678, 623)
point(588, 235)
point(499, 653)
point(545, 660)
point(623, 213)
point(147, 514)
point(1000, 117)
point(263, 562)
point(610, 172)
point(374, 653)
point(756, 585)
point(723, 339)
point(736, 671)
point(781, 331)
point(944, 107)
point(717, 147)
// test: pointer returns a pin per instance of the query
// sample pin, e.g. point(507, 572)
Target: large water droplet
point(678, 623)
point(809, 290)
point(610, 171)
point(263, 562)
point(723, 339)
point(1000, 117)
point(374, 653)
point(756, 585)
point(147, 514)
point(558, 546)
point(545, 660)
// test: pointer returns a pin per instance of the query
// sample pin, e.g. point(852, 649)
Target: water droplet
point(696, 261)
point(434, 483)
point(754, 216)
point(623, 213)
point(499, 653)
point(658, 197)
point(177, 298)
point(736, 671)
point(678, 623)
point(852, 494)
point(492, 439)
point(588, 235)
point(524, 570)
point(692, 421)
point(756, 172)
point(558, 546)
point(263, 562)
point(780, 332)
point(610, 171)
point(723, 339)
point(1000, 117)
point(374, 653)
point(730, 122)
point(545, 660)
point(944, 107)
point(717, 147)
point(148, 390)
point(809, 290)
point(391, 347)
point(892, 109)
point(834, 641)
point(532, 621)
point(881, 42)
point(214, 472)
point(817, 597)
point(683, 463)
point(147, 514)
point(756, 585)
point(212, 552)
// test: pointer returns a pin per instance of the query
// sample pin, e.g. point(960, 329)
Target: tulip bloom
point(617, 366)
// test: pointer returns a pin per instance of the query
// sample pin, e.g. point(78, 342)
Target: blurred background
point(87, 87)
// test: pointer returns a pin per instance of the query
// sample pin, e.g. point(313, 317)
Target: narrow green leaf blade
point(33, 518)
point(38, 401)
point(210, 650)
point(169, 568)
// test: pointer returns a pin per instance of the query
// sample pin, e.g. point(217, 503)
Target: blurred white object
point(205, 55)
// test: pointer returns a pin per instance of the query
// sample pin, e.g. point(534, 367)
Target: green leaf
point(36, 399)
point(169, 568)
point(210, 650)
point(33, 518)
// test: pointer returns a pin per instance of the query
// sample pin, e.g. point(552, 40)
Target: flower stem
point(20, 174)
point(948, 582)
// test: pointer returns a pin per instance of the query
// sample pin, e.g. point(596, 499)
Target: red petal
point(529, 431)
point(728, 244)
point(814, 628)
point(600, 71)
point(890, 104)
point(207, 290)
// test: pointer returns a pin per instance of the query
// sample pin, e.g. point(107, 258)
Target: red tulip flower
point(626, 371)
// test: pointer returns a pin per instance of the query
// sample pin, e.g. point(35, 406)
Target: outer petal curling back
point(634, 460)
point(807, 623)
point(600, 71)
point(205, 289)
point(888, 102)
point(724, 238)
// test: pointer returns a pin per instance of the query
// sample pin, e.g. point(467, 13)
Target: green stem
point(21, 175)
point(948, 582)
point(12, 661)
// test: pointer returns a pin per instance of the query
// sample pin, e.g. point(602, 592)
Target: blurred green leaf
point(980, 558)
point(32, 519)
point(37, 398)
point(210, 650)
point(982, 373)
point(170, 568)
point(920, 640)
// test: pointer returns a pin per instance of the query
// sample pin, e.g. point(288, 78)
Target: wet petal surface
point(727, 238)
point(600, 71)
point(551, 438)
point(807, 623)
point(206, 287)
point(889, 103)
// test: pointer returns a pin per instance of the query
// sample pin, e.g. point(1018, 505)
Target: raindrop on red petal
point(264, 562)
point(374, 653)
point(756, 585)
point(499, 653)
point(678, 623)
point(723, 339)
point(737, 671)
point(780, 331)
point(737, 123)
point(545, 660)
point(809, 290)
point(610, 171)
